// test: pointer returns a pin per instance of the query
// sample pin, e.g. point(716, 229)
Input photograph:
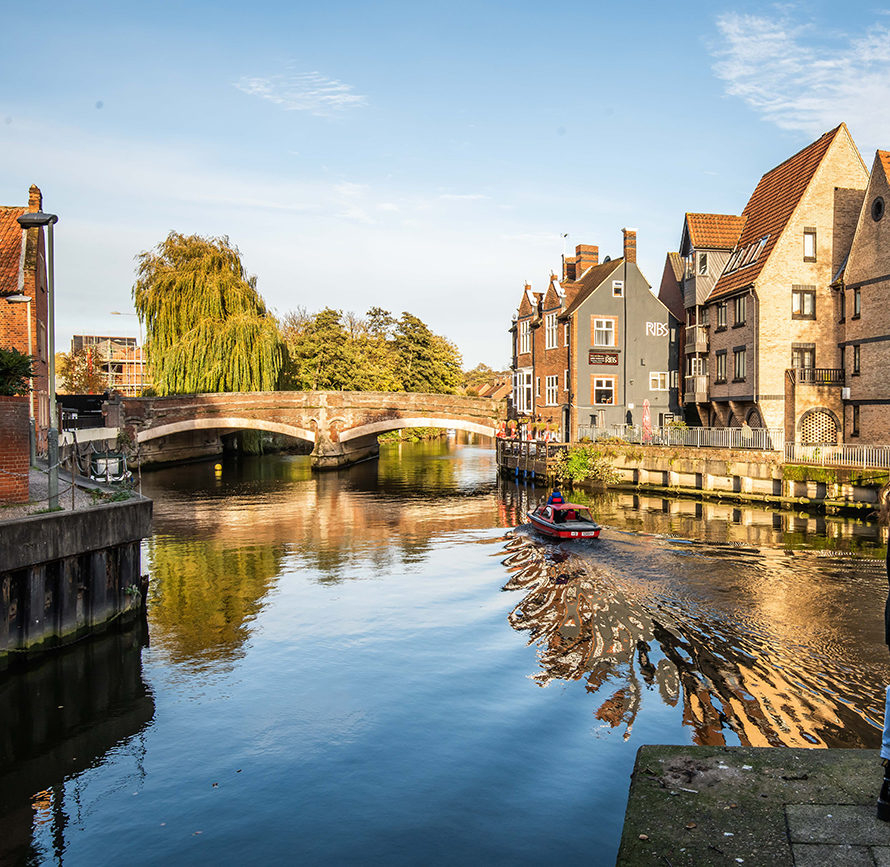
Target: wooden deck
point(527, 458)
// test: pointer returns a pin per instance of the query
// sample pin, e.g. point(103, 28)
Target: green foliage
point(805, 473)
point(330, 350)
point(81, 371)
point(583, 463)
point(15, 372)
point(207, 329)
point(411, 435)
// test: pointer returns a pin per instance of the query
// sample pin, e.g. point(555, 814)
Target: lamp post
point(21, 298)
point(36, 220)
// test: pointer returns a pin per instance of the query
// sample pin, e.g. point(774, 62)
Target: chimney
point(35, 198)
point(630, 245)
point(586, 255)
point(568, 268)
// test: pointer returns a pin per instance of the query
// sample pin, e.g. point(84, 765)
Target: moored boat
point(564, 521)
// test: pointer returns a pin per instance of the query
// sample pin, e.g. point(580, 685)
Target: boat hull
point(566, 530)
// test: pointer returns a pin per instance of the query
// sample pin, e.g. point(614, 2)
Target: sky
point(413, 156)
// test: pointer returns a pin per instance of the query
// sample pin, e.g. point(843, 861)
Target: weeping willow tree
point(207, 328)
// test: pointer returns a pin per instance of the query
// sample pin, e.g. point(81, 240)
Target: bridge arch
point(224, 423)
point(389, 424)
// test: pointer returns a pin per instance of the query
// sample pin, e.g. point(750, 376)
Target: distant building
point(120, 360)
point(23, 324)
point(594, 349)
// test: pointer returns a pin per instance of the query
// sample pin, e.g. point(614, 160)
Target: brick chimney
point(568, 268)
point(630, 245)
point(586, 255)
point(35, 198)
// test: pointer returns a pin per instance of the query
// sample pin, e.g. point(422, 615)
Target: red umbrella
point(647, 422)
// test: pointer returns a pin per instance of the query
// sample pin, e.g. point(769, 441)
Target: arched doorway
point(754, 419)
point(818, 427)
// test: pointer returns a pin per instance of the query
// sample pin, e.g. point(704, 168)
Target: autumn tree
point(207, 328)
point(81, 371)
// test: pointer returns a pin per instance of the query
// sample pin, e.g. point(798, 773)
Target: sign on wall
point(595, 357)
point(656, 329)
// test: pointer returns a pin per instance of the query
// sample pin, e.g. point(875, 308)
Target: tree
point(15, 372)
point(207, 328)
point(81, 371)
point(428, 362)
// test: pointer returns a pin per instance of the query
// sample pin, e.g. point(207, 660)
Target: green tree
point(427, 361)
point(15, 372)
point(81, 371)
point(207, 328)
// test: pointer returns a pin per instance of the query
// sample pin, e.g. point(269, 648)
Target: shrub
point(584, 463)
point(16, 369)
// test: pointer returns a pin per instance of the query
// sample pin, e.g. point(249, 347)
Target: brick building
point(23, 271)
point(763, 342)
point(862, 289)
point(122, 361)
point(575, 347)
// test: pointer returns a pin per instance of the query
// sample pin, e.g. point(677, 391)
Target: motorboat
point(564, 521)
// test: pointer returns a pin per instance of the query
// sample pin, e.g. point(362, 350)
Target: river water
point(372, 666)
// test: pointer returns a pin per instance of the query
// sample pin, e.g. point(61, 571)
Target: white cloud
point(303, 91)
point(797, 79)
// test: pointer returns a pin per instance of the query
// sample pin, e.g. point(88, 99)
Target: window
point(803, 302)
point(675, 379)
point(809, 245)
point(857, 358)
point(552, 386)
point(738, 363)
point(522, 391)
point(720, 373)
point(855, 431)
point(604, 331)
point(524, 336)
point(721, 316)
point(803, 355)
point(565, 336)
point(702, 265)
point(617, 288)
point(604, 390)
point(740, 304)
point(537, 386)
point(550, 331)
point(842, 300)
point(877, 208)
point(857, 304)
point(658, 381)
point(566, 380)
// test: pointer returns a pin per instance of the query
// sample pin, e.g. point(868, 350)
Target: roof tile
point(10, 248)
point(717, 231)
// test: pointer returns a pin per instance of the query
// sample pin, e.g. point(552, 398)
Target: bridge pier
point(328, 455)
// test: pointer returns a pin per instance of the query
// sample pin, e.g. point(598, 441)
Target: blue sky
point(421, 157)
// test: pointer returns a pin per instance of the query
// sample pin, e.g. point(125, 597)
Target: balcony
point(696, 338)
point(817, 375)
point(695, 389)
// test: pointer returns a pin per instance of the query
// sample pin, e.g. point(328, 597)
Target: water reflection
point(745, 669)
point(57, 719)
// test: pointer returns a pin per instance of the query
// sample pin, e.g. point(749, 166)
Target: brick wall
point(14, 449)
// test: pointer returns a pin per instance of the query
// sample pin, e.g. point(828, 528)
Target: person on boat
point(555, 498)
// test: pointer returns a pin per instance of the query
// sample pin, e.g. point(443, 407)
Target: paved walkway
point(86, 493)
point(754, 806)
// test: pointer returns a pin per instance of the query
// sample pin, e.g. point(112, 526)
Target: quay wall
point(741, 475)
point(66, 574)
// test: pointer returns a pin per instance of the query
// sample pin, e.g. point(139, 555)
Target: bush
point(584, 463)
point(16, 369)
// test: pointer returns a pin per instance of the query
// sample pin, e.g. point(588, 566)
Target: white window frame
point(809, 245)
point(523, 401)
point(566, 334)
point(550, 331)
point(551, 385)
point(566, 380)
point(537, 386)
point(603, 383)
point(604, 325)
point(658, 380)
point(525, 331)
point(617, 288)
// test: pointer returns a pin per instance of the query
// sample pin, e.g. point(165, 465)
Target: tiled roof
point(676, 261)
point(592, 278)
point(670, 292)
point(717, 231)
point(10, 248)
point(884, 157)
point(770, 207)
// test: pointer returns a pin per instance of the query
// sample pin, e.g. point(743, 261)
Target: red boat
point(564, 521)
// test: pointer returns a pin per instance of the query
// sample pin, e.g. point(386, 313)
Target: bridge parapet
point(342, 425)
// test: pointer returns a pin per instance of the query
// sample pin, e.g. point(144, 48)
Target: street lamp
point(21, 298)
point(36, 220)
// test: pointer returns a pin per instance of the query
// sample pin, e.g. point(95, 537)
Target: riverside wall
point(67, 574)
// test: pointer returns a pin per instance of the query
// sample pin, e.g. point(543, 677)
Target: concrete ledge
point(754, 806)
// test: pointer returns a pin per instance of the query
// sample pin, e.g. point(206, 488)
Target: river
point(371, 666)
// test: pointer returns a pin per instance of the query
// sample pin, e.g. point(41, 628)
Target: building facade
point(119, 359)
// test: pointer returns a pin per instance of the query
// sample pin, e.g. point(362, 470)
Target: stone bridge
point(342, 425)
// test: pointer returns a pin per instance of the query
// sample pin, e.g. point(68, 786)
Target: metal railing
point(819, 375)
point(846, 455)
point(760, 439)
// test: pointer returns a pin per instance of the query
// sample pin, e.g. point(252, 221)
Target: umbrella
point(647, 422)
